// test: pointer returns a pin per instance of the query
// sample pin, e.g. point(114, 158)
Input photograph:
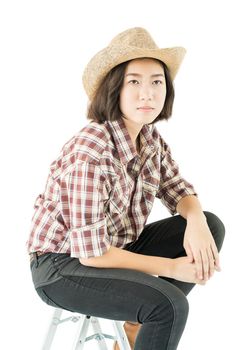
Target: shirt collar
point(124, 144)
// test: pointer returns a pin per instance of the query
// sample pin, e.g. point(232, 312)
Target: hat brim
point(100, 65)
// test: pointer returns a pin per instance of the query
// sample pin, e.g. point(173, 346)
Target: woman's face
point(143, 91)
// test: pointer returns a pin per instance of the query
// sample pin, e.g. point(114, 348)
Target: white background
point(45, 46)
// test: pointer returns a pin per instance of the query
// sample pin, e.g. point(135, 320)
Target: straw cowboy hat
point(130, 44)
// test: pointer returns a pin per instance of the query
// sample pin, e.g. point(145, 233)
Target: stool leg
point(97, 330)
point(52, 329)
point(81, 337)
point(121, 336)
point(97, 335)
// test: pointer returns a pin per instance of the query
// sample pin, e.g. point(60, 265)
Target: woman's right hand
point(185, 271)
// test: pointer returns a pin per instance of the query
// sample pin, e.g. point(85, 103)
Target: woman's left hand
point(200, 247)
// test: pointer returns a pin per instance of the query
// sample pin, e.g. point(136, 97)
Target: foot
point(131, 330)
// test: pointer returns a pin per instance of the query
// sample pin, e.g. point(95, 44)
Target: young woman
point(91, 249)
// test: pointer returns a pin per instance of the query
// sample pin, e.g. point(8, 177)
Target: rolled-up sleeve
point(83, 209)
point(172, 186)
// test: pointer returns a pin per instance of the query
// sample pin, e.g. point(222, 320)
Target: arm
point(120, 258)
point(180, 268)
point(198, 240)
point(180, 196)
point(82, 207)
point(190, 208)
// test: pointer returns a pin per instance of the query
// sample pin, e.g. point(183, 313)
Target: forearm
point(190, 208)
point(119, 258)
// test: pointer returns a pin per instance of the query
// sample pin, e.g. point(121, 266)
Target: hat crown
point(135, 37)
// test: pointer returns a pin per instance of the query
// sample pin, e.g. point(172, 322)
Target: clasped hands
point(201, 249)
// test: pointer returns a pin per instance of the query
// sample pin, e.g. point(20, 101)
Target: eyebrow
point(140, 75)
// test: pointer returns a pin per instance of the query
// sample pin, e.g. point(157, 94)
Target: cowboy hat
point(130, 44)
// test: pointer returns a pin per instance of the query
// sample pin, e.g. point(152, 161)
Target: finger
point(199, 266)
point(205, 264)
point(189, 253)
point(211, 261)
point(198, 280)
point(201, 282)
point(216, 257)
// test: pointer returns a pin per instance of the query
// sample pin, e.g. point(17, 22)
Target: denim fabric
point(159, 304)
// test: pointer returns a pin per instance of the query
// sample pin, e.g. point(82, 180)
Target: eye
point(133, 81)
point(157, 82)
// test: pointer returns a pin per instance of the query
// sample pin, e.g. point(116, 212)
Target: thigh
point(165, 237)
point(161, 238)
point(118, 294)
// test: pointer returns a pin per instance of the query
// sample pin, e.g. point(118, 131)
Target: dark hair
point(105, 104)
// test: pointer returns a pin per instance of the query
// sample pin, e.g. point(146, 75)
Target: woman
point(91, 249)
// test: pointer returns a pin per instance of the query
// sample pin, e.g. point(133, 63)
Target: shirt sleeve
point(83, 208)
point(172, 186)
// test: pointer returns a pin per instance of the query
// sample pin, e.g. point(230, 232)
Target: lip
point(145, 108)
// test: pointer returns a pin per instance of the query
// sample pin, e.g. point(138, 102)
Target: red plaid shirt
point(99, 192)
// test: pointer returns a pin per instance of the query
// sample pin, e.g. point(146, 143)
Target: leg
point(165, 238)
point(122, 294)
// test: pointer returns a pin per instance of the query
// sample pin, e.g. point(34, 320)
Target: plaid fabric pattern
point(99, 191)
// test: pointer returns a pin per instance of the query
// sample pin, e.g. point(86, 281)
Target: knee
point(174, 309)
point(216, 227)
point(179, 308)
point(181, 305)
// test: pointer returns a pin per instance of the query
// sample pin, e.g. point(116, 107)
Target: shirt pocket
point(151, 182)
point(150, 186)
point(119, 200)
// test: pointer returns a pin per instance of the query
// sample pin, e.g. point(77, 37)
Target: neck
point(133, 130)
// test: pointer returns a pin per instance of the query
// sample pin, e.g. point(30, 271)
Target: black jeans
point(159, 304)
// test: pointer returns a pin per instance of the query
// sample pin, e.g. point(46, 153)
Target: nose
point(145, 93)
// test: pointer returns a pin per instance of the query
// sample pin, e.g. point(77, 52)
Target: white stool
point(81, 338)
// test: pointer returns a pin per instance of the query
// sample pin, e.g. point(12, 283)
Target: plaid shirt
point(99, 191)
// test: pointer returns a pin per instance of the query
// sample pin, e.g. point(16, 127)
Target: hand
point(185, 271)
point(201, 248)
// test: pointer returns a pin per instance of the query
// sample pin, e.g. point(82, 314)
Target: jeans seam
point(171, 328)
point(153, 337)
point(135, 281)
point(97, 290)
point(171, 331)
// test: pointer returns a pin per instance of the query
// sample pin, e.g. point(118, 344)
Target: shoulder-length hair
point(105, 104)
